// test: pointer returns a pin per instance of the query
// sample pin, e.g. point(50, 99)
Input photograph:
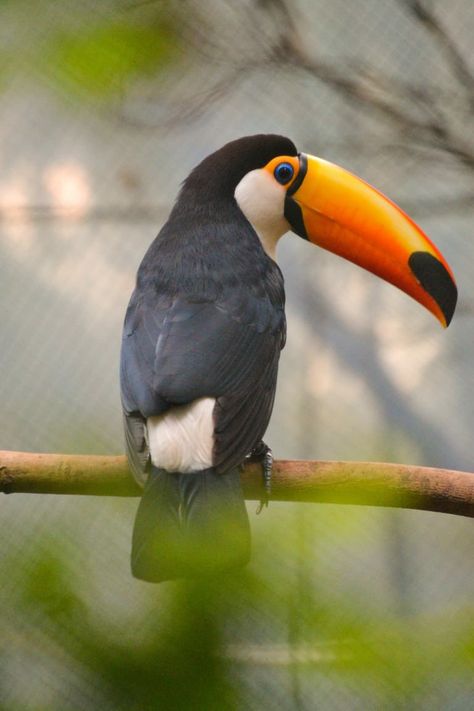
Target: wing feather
point(177, 349)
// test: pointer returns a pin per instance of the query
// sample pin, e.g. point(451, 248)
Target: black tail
point(190, 525)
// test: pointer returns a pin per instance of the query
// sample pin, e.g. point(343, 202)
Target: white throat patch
point(262, 200)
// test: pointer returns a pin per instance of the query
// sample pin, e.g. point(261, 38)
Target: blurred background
point(104, 109)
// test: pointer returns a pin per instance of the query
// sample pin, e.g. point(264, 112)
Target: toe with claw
point(263, 453)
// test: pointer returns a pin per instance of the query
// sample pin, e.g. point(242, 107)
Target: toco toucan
point(206, 323)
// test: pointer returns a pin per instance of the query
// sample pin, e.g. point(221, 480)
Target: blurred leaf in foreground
point(100, 60)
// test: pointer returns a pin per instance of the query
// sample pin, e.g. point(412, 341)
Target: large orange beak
point(341, 213)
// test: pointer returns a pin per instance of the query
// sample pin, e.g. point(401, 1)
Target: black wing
point(178, 349)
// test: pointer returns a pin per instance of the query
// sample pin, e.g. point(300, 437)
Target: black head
point(218, 175)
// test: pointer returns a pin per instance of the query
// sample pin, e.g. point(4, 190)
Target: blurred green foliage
point(91, 51)
point(198, 644)
point(101, 59)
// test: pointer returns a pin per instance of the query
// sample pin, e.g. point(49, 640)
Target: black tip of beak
point(436, 281)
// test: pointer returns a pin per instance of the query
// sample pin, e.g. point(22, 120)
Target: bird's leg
point(264, 454)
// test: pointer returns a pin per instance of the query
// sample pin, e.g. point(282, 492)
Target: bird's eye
point(284, 173)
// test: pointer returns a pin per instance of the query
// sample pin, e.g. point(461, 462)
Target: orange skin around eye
point(292, 160)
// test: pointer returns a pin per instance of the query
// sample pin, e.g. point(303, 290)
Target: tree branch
point(457, 61)
point(363, 483)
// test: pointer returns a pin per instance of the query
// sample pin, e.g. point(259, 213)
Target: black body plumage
point(206, 319)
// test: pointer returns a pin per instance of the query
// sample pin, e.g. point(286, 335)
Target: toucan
point(205, 326)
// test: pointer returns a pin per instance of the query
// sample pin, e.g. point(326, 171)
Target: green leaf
point(101, 60)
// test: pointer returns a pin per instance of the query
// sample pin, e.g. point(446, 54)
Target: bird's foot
point(263, 453)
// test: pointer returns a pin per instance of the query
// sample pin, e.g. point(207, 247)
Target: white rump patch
point(262, 200)
point(182, 439)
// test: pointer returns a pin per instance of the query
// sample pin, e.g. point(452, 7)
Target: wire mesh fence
point(105, 109)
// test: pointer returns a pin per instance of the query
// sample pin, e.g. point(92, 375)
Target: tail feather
point(190, 525)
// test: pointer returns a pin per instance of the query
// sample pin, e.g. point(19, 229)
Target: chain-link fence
point(104, 110)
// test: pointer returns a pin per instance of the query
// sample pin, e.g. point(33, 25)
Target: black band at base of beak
point(295, 217)
point(436, 281)
point(303, 159)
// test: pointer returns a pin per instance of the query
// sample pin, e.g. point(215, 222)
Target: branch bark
point(363, 483)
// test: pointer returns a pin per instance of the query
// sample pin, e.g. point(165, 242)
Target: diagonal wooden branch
point(363, 483)
point(458, 62)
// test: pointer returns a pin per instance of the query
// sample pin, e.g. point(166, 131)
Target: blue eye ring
point(283, 173)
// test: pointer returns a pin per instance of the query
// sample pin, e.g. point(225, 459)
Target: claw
point(264, 453)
